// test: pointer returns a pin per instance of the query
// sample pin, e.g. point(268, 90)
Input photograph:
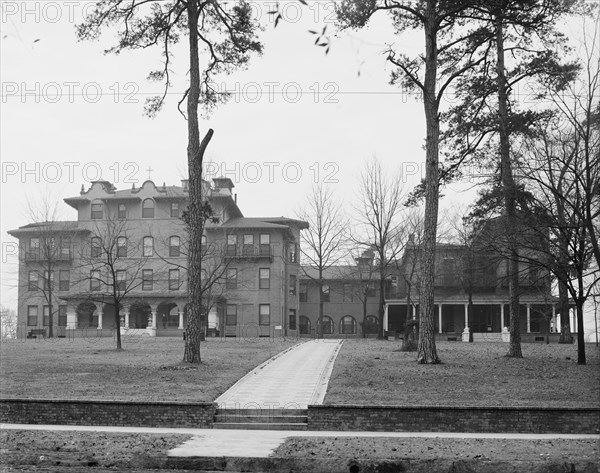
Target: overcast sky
point(70, 114)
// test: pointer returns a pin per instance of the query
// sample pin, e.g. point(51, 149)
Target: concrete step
point(262, 412)
point(260, 426)
point(244, 419)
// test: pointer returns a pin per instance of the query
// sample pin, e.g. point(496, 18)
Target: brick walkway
point(290, 380)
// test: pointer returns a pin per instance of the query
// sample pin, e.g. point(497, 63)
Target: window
point(371, 290)
point(33, 280)
point(122, 247)
point(46, 316)
point(303, 292)
point(371, 325)
point(304, 325)
point(147, 279)
point(348, 325)
point(264, 314)
point(175, 209)
point(63, 280)
point(48, 280)
point(97, 210)
point(122, 211)
point(231, 282)
point(65, 250)
point(96, 247)
point(265, 244)
point(325, 293)
point(347, 292)
point(174, 246)
point(292, 284)
point(264, 278)
point(248, 245)
point(148, 249)
point(231, 245)
point(231, 314)
point(148, 208)
point(34, 244)
point(121, 280)
point(32, 315)
point(292, 322)
point(173, 279)
point(203, 240)
point(326, 325)
point(293, 253)
point(62, 315)
point(95, 280)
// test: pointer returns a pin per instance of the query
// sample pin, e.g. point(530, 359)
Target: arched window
point(326, 325)
point(304, 324)
point(122, 247)
point(348, 325)
point(97, 210)
point(148, 247)
point(174, 246)
point(148, 208)
point(122, 212)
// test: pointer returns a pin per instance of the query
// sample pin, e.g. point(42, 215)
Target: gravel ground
point(383, 448)
point(54, 449)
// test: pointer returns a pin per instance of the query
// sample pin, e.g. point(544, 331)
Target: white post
point(440, 318)
point(502, 321)
point(528, 318)
point(466, 315)
point(180, 313)
point(100, 314)
point(127, 317)
point(385, 317)
point(554, 318)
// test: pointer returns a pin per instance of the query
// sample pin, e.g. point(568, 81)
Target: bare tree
point(111, 266)
point(8, 324)
point(325, 238)
point(52, 251)
point(378, 225)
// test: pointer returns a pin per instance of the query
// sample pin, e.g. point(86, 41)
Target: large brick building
point(255, 264)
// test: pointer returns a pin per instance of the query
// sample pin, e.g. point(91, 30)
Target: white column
point(100, 314)
point(466, 315)
point(554, 317)
point(71, 317)
point(528, 318)
point(180, 313)
point(385, 317)
point(126, 317)
point(502, 321)
point(440, 318)
point(153, 322)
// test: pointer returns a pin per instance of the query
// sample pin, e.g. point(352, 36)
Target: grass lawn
point(375, 372)
point(148, 369)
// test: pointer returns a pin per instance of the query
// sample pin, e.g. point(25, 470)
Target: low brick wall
point(454, 419)
point(113, 413)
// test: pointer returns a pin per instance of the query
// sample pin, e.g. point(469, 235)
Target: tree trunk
point(195, 214)
point(364, 324)
point(426, 351)
point(118, 325)
point(509, 187)
point(580, 335)
point(381, 310)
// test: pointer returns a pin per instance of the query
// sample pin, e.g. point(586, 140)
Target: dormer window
point(97, 210)
point(175, 209)
point(148, 208)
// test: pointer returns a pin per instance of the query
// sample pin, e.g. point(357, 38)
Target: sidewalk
point(261, 443)
point(290, 380)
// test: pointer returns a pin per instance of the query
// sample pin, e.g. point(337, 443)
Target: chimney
point(185, 185)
